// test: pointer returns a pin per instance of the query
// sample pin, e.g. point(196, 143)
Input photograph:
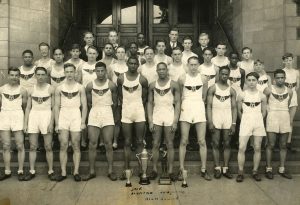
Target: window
point(128, 12)
point(160, 12)
point(105, 13)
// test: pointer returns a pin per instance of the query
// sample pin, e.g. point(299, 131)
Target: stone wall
point(4, 38)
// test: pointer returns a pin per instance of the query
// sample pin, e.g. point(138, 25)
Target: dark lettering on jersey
point(58, 80)
point(117, 73)
point(90, 71)
point(11, 97)
point(193, 88)
point(280, 97)
point(210, 76)
point(100, 92)
point(222, 98)
point(290, 85)
point(40, 100)
point(234, 79)
point(26, 77)
point(130, 89)
point(69, 95)
point(252, 104)
point(162, 92)
point(261, 82)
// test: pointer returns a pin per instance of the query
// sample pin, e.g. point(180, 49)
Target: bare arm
point(27, 111)
point(83, 107)
point(181, 82)
point(144, 83)
point(297, 81)
point(239, 105)
point(120, 81)
point(24, 98)
point(114, 92)
point(233, 110)
point(52, 94)
point(204, 91)
point(243, 78)
point(269, 81)
point(79, 74)
point(290, 96)
point(88, 91)
point(217, 73)
point(150, 105)
point(57, 107)
point(210, 94)
point(177, 101)
point(263, 105)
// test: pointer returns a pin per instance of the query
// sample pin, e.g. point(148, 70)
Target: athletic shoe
point(112, 176)
point(60, 178)
point(269, 175)
point(240, 178)
point(205, 175)
point(21, 177)
point(4, 176)
point(227, 174)
point(285, 175)
point(29, 176)
point(256, 177)
point(217, 173)
point(179, 176)
point(52, 177)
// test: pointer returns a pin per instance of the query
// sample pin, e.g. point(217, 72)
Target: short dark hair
point(112, 30)
point(133, 43)
point(161, 63)
point(69, 65)
point(109, 44)
point(279, 71)
point(224, 68)
point(140, 34)
point(174, 29)
point(75, 46)
point(40, 68)
point(57, 48)
point(221, 43)
point(12, 68)
point(100, 64)
point(44, 44)
point(177, 48)
point(258, 61)
point(120, 47)
point(27, 51)
point(92, 47)
point(208, 49)
point(88, 32)
point(187, 38)
point(247, 48)
point(233, 53)
point(148, 48)
point(133, 57)
point(203, 34)
point(287, 55)
point(193, 58)
point(160, 41)
point(254, 74)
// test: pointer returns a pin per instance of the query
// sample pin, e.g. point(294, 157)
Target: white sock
point(218, 168)
point(281, 170)
point(269, 169)
point(225, 169)
point(7, 172)
point(32, 171)
point(50, 172)
point(20, 171)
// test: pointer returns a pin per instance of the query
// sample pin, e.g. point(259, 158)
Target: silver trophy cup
point(143, 158)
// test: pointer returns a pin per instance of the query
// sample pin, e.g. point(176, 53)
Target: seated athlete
point(102, 101)
point(39, 118)
point(163, 114)
point(69, 98)
point(221, 115)
point(13, 99)
point(251, 110)
point(278, 122)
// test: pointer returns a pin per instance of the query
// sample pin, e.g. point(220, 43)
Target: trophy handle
point(138, 157)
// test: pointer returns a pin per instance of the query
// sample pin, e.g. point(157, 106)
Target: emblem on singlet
point(222, 98)
point(69, 95)
point(117, 73)
point(290, 85)
point(252, 104)
point(26, 77)
point(261, 82)
point(90, 71)
point(193, 88)
point(100, 92)
point(210, 76)
point(130, 89)
point(11, 97)
point(40, 100)
point(162, 92)
point(280, 97)
point(58, 80)
point(234, 79)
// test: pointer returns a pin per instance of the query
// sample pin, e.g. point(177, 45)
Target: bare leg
point(49, 152)
point(63, 156)
point(108, 134)
point(19, 137)
point(33, 139)
point(169, 136)
point(93, 140)
point(139, 133)
point(185, 128)
point(283, 150)
point(257, 152)
point(201, 130)
point(227, 147)
point(127, 132)
point(216, 147)
point(6, 141)
point(292, 116)
point(243, 140)
point(155, 146)
point(269, 150)
point(75, 138)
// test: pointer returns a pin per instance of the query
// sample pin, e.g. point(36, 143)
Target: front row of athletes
point(168, 102)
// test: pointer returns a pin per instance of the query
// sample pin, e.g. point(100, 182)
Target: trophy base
point(164, 181)
point(184, 185)
point(128, 185)
point(144, 181)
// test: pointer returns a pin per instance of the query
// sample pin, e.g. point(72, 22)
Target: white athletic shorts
point(39, 121)
point(278, 122)
point(133, 113)
point(294, 100)
point(101, 117)
point(12, 120)
point(163, 116)
point(192, 112)
point(252, 125)
point(222, 118)
point(69, 119)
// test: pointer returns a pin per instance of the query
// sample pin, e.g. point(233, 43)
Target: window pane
point(185, 11)
point(160, 11)
point(128, 12)
point(104, 13)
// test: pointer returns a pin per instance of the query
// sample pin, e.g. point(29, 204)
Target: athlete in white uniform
point(13, 100)
point(177, 68)
point(109, 56)
point(56, 70)
point(293, 82)
point(70, 98)
point(221, 115)
point(45, 61)
point(27, 79)
point(220, 59)
point(264, 80)
point(163, 96)
point(148, 70)
point(237, 75)
point(278, 121)
point(194, 89)
point(187, 44)
point(102, 100)
point(133, 52)
point(247, 63)
point(141, 45)
point(160, 56)
point(251, 110)
point(132, 89)
point(39, 118)
point(208, 69)
point(75, 60)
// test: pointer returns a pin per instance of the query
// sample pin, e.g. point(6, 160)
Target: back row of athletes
point(170, 98)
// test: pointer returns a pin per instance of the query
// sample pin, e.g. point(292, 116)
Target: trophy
point(184, 176)
point(128, 174)
point(143, 158)
point(164, 179)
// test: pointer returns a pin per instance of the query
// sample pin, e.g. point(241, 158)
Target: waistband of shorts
point(13, 110)
point(70, 108)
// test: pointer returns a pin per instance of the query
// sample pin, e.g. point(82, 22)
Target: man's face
point(113, 37)
point(234, 59)
point(141, 39)
point(279, 79)
point(258, 67)
point(204, 40)
point(89, 39)
point(120, 53)
point(251, 82)
point(160, 47)
point(162, 71)
point(108, 50)
point(224, 74)
point(100, 72)
point(41, 76)
point(133, 49)
point(193, 65)
point(27, 58)
point(173, 35)
point(246, 54)
point(207, 56)
point(44, 51)
point(177, 55)
point(133, 65)
point(75, 53)
point(187, 45)
point(70, 73)
point(288, 62)
point(58, 56)
point(92, 54)
point(221, 50)
point(149, 55)
point(13, 77)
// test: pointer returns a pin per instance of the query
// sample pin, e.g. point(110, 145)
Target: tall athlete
point(208, 69)
point(13, 101)
point(102, 101)
point(45, 61)
point(220, 59)
point(264, 80)
point(27, 79)
point(194, 89)
point(39, 118)
point(56, 70)
point(148, 70)
point(69, 98)
point(251, 110)
point(109, 57)
point(160, 56)
point(247, 63)
point(141, 44)
point(177, 68)
point(75, 60)
point(187, 44)
point(163, 113)
point(132, 91)
point(237, 74)
point(221, 114)
point(278, 121)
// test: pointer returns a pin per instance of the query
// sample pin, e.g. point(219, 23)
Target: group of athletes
point(93, 98)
